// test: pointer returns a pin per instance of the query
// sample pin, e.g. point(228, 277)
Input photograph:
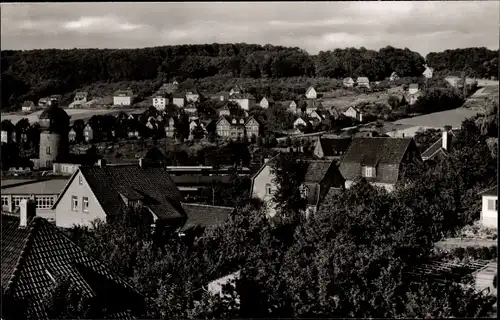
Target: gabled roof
point(309, 89)
point(127, 93)
point(287, 103)
point(32, 255)
point(330, 145)
point(313, 104)
point(179, 95)
point(394, 73)
point(437, 146)
point(493, 191)
point(82, 93)
point(354, 108)
point(317, 169)
point(362, 79)
point(270, 100)
point(154, 184)
point(348, 79)
point(202, 216)
point(375, 152)
point(242, 96)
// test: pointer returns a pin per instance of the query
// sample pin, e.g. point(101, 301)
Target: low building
point(413, 88)
point(489, 212)
point(179, 99)
point(331, 148)
point(394, 77)
point(311, 93)
point(244, 100)
point(81, 96)
point(311, 105)
point(224, 111)
point(36, 256)
point(160, 102)
point(64, 168)
point(44, 190)
point(72, 135)
point(354, 113)
point(363, 82)
point(266, 102)
point(379, 160)
point(28, 106)
point(321, 176)
point(428, 72)
point(201, 216)
point(123, 98)
point(348, 82)
point(440, 149)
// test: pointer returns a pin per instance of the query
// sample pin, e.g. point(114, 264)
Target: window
point(48, 164)
point(74, 203)
point(369, 172)
point(5, 201)
point(304, 191)
point(268, 189)
point(493, 204)
point(47, 150)
point(80, 180)
point(44, 202)
point(85, 204)
point(17, 200)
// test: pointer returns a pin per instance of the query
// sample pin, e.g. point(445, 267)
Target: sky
point(314, 26)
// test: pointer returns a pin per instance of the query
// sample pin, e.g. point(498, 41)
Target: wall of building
point(51, 145)
point(489, 217)
point(159, 103)
point(66, 217)
point(179, 102)
point(122, 101)
point(43, 208)
point(259, 189)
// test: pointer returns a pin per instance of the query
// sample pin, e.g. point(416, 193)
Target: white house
point(266, 102)
point(363, 82)
point(348, 82)
point(489, 212)
point(428, 72)
point(394, 76)
point(311, 93)
point(413, 88)
point(245, 100)
point(160, 102)
point(193, 96)
point(301, 122)
point(354, 113)
point(123, 98)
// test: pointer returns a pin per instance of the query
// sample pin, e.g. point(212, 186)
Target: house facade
point(291, 106)
point(28, 106)
point(489, 212)
point(394, 77)
point(348, 82)
point(123, 98)
point(179, 99)
point(379, 160)
point(311, 93)
point(320, 177)
point(363, 82)
point(354, 113)
point(331, 148)
point(244, 100)
point(301, 121)
point(160, 102)
point(72, 135)
point(170, 128)
point(88, 133)
point(230, 128)
point(266, 103)
point(193, 96)
point(428, 72)
point(237, 89)
point(224, 111)
point(81, 97)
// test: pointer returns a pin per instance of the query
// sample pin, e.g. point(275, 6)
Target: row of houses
point(364, 82)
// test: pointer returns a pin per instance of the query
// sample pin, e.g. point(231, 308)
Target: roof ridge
point(22, 257)
point(206, 205)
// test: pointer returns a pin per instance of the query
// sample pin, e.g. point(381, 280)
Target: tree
point(289, 173)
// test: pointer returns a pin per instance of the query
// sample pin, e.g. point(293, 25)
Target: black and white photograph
point(249, 160)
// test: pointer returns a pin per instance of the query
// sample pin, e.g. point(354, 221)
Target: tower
point(54, 129)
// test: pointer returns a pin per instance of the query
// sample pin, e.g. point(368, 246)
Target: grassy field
point(343, 99)
point(75, 114)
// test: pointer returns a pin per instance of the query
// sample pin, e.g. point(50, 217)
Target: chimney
point(101, 163)
point(141, 162)
point(445, 144)
point(28, 210)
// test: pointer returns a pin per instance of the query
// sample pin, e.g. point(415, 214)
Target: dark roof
point(202, 216)
point(493, 191)
point(381, 152)
point(330, 146)
point(269, 99)
point(31, 255)
point(242, 96)
point(157, 189)
point(317, 169)
point(179, 95)
point(313, 103)
point(437, 146)
point(199, 179)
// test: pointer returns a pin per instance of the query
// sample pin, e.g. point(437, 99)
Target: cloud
point(420, 26)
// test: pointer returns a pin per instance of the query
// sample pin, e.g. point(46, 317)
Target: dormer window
point(242, 121)
point(234, 121)
point(369, 172)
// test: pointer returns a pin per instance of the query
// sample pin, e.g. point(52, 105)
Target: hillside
point(476, 62)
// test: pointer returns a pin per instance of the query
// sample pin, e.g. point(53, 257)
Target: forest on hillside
point(475, 62)
point(32, 74)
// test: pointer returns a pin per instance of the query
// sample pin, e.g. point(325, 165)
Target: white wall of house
point(179, 102)
point(264, 104)
point(298, 122)
point(245, 104)
point(122, 101)
point(489, 212)
point(160, 103)
point(4, 136)
point(312, 94)
point(263, 188)
point(192, 97)
point(67, 216)
point(352, 113)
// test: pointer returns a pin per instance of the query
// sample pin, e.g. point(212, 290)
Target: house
point(28, 106)
point(379, 160)
point(394, 77)
point(81, 96)
point(224, 111)
point(101, 191)
point(311, 93)
point(193, 96)
point(190, 109)
point(179, 99)
point(291, 106)
point(160, 102)
point(354, 113)
point(43, 102)
point(348, 82)
point(428, 72)
point(331, 148)
point(202, 216)
point(301, 121)
point(123, 98)
point(489, 212)
point(245, 100)
point(227, 127)
point(266, 103)
point(252, 127)
point(363, 82)
point(221, 96)
point(311, 105)
point(215, 287)
point(170, 128)
point(72, 135)
point(413, 88)
point(321, 175)
point(45, 191)
point(237, 89)
point(88, 133)
point(36, 255)
point(440, 148)
point(194, 125)
point(151, 123)
point(334, 112)
point(315, 115)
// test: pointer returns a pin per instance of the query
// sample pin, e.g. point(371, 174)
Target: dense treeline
point(476, 62)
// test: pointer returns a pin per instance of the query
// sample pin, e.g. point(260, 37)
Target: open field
point(343, 102)
point(75, 114)
point(452, 117)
